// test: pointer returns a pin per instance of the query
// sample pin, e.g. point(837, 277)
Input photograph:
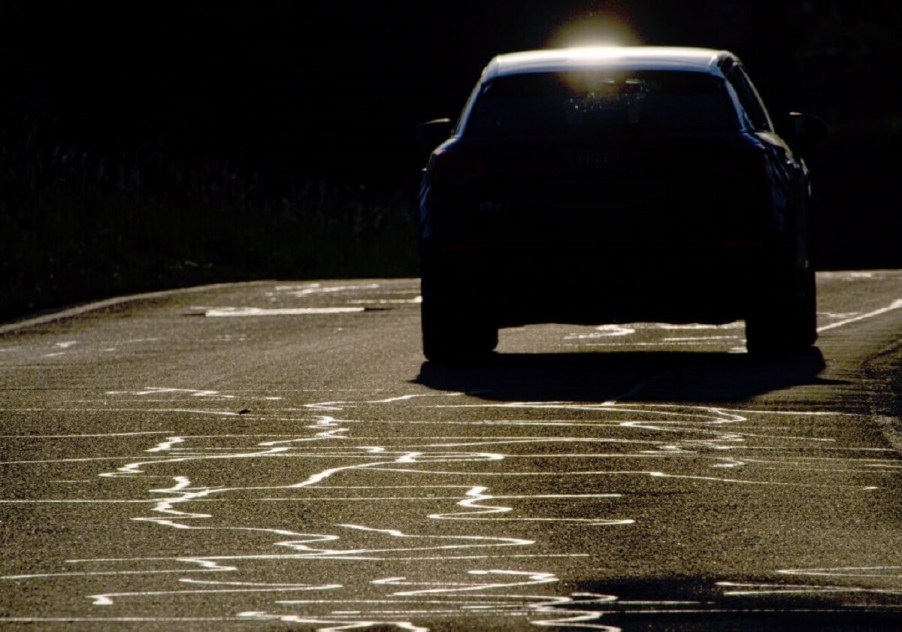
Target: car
point(610, 185)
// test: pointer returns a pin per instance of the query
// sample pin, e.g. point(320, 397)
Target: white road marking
point(388, 301)
point(309, 289)
point(897, 304)
point(83, 436)
point(91, 307)
point(239, 312)
point(604, 331)
point(108, 599)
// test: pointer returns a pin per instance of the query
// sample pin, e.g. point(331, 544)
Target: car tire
point(451, 330)
point(448, 338)
point(784, 321)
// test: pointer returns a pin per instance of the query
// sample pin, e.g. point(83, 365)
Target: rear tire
point(452, 328)
point(784, 321)
point(450, 337)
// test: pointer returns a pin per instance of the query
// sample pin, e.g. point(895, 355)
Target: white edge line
point(897, 304)
point(118, 300)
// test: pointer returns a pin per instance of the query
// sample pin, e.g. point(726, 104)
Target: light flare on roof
point(595, 30)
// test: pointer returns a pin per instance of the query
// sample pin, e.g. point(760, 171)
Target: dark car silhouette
point(605, 185)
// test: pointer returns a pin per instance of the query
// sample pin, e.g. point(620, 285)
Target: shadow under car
point(656, 376)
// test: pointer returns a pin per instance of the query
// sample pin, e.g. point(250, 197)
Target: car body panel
point(529, 221)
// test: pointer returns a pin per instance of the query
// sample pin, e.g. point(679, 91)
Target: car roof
point(608, 58)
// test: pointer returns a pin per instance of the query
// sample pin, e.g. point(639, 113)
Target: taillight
point(456, 167)
point(753, 165)
point(753, 193)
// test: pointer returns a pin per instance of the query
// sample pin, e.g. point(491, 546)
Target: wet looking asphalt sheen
point(279, 455)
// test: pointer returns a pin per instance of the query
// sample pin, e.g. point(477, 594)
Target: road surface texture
point(279, 456)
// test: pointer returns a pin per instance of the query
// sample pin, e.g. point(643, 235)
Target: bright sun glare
point(595, 30)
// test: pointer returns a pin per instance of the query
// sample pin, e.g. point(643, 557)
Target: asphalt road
point(280, 456)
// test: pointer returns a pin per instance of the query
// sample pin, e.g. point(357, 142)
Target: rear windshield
point(577, 103)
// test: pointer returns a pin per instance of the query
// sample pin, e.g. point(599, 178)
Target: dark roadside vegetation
point(77, 225)
point(158, 145)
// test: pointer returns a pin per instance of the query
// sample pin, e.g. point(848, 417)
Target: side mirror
point(431, 134)
point(806, 131)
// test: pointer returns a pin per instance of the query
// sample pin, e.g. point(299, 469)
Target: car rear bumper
point(524, 284)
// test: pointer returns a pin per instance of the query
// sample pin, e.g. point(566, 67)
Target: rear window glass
point(577, 103)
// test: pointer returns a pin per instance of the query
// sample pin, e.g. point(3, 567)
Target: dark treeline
point(317, 82)
point(237, 108)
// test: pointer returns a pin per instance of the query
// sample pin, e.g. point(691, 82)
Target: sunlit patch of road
point(456, 470)
point(396, 508)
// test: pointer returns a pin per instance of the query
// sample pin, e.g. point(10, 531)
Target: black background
point(335, 88)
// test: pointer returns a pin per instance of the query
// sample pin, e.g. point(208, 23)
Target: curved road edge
point(884, 369)
point(78, 310)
